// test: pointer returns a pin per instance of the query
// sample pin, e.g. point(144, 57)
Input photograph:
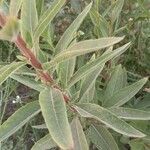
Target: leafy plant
point(78, 111)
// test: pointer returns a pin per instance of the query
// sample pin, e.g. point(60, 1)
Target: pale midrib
point(12, 69)
point(39, 145)
point(78, 137)
point(102, 138)
point(91, 83)
point(53, 107)
point(109, 125)
point(39, 26)
point(122, 101)
point(21, 124)
point(76, 25)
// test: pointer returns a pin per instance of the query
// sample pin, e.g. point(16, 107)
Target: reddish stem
point(34, 62)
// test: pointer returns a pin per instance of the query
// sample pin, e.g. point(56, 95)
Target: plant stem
point(33, 61)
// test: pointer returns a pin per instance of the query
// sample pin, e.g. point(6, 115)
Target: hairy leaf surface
point(103, 115)
point(54, 112)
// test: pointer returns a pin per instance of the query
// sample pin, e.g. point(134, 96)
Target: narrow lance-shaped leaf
point(102, 138)
point(65, 70)
point(83, 71)
point(14, 7)
point(44, 143)
point(129, 113)
point(39, 6)
point(125, 94)
point(116, 82)
point(7, 70)
point(89, 82)
point(27, 81)
point(68, 36)
point(47, 17)
point(100, 24)
point(18, 119)
point(29, 18)
point(116, 10)
point(79, 138)
point(55, 116)
point(82, 48)
point(103, 115)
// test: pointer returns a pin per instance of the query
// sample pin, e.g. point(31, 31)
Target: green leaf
point(27, 81)
point(66, 68)
point(10, 30)
point(101, 25)
point(44, 143)
point(117, 82)
point(29, 18)
point(65, 71)
point(97, 4)
point(7, 70)
point(137, 144)
point(116, 10)
point(129, 113)
point(14, 7)
point(125, 94)
point(47, 17)
point(68, 36)
point(18, 119)
point(54, 112)
point(82, 48)
point(39, 6)
point(88, 83)
point(102, 138)
point(86, 69)
point(79, 138)
point(103, 115)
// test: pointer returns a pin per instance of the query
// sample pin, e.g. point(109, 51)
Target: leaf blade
point(15, 122)
point(44, 143)
point(125, 94)
point(15, 7)
point(102, 138)
point(98, 62)
point(47, 17)
point(79, 138)
point(129, 113)
point(7, 70)
point(101, 114)
point(54, 112)
point(68, 36)
point(81, 48)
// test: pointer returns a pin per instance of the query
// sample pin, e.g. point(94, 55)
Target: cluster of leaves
point(83, 100)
